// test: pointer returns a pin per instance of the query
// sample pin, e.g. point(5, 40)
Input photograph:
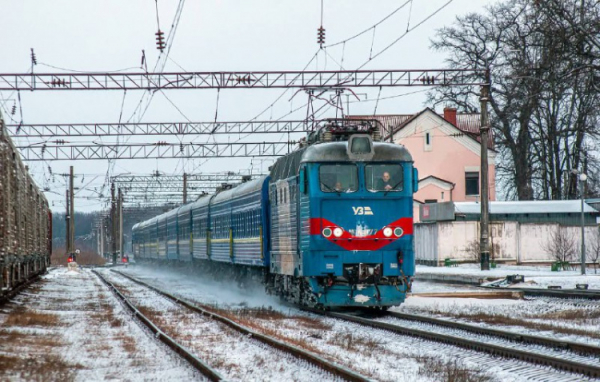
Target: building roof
point(468, 123)
point(438, 179)
point(526, 207)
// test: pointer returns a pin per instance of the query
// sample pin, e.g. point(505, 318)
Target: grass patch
point(24, 317)
point(44, 367)
point(86, 257)
point(262, 313)
point(350, 341)
point(449, 371)
point(501, 319)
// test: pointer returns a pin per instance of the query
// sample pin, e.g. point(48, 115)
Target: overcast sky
point(259, 35)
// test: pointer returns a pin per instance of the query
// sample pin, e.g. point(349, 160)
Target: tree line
point(544, 60)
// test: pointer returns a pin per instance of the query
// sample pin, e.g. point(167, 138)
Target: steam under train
point(331, 225)
point(25, 220)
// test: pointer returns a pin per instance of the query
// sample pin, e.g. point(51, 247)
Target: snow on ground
point(535, 276)
point(420, 286)
point(234, 355)
point(369, 351)
point(206, 290)
point(567, 320)
point(69, 327)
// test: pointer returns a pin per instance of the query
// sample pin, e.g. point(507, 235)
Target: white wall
point(512, 241)
point(426, 243)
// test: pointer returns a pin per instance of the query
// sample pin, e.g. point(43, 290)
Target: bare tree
point(593, 250)
point(472, 250)
point(473, 253)
point(544, 97)
point(560, 245)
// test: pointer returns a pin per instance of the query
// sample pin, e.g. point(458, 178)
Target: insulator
point(327, 136)
point(376, 135)
point(160, 40)
point(181, 147)
point(14, 109)
point(321, 35)
point(428, 80)
point(33, 58)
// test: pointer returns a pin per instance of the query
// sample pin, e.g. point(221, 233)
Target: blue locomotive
point(331, 225)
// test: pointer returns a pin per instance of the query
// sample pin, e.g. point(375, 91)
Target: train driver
point(385, 183)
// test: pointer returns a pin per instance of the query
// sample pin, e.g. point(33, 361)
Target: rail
point(196, 362)
point(275, 343)
point(498, 350)
point(512, 336)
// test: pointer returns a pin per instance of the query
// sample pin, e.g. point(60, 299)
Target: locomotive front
point(355, 220)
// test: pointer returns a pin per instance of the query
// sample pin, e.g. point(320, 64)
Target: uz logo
point(362, 210)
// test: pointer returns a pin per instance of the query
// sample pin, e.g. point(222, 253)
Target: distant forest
point(83, 228)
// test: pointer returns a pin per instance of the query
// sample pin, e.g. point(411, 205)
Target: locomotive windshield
point(338, 178)
point(384, 177)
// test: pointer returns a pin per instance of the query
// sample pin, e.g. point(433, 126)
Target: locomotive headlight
point(398, 231)
point(327, 232)
point(337, 232)
point(387, 232)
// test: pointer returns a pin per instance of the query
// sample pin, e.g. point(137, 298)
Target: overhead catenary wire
point(371, 27)
point(405, 33)
point(409, 15)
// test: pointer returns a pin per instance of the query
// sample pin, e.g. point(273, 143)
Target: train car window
point(338, 178)
point(384, 177)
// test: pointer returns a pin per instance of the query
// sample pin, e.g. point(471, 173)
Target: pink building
point(446, 151)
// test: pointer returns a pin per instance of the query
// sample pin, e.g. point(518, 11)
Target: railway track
point(589, 294)
point(560, 293)
point(196, 363)
point(567, 361)
point(311, 358)
point(576, 347)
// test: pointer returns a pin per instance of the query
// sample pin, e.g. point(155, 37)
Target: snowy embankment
point(69, 327)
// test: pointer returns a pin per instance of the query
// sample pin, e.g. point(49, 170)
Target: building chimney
point(450, 115)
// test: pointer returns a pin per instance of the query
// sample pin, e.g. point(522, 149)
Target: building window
point(427, 146)
point(471, 183)
point(430, 201)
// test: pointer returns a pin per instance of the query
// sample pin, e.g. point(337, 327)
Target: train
point(331, 225)
point(25, 220)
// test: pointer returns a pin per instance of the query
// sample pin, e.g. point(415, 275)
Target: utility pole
point(120, 210)
point(102, 237)
point(113, 218)
point(72, 212)
point(484, 222)
point(184, 188)
point(68, 225)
